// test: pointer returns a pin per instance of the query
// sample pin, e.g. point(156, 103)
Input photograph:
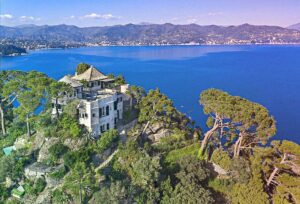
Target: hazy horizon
point(107, 13)
point(142, 23)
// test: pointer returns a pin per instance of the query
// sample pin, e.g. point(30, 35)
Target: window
point(107, 110)
point(99, 83)
point(86, 115)
point(92, 84)
point(100, 112)
point(116, 105)
point(107, 126)
point(93, 115)
point(115, 121)
point(121, 99)
point(102, 128)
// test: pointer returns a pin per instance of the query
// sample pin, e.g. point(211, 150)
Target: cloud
point(174, 19)
point(219, 13)
point(101, 16)
point(192, 20)
point(29, 19)
point(6, 16)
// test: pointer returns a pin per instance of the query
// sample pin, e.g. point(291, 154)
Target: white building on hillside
point(101, 101)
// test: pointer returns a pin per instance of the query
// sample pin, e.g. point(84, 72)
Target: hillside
point(295, 26)
point(162, 158)
point(149, 34)
point(11, 50)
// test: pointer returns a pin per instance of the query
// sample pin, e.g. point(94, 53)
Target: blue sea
point(269, 75)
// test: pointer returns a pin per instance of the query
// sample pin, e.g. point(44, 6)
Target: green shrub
point(106, 140)
point(29, 187)
point(120, 80)
point(4, 194)
point(221, 158)
point(44, 120)
point(12, 166)
point(59, 196)
point(173, 156)
point(16, 130)
point(39, 185)
point(13, 201)
point(70, 126)
point(221, 185)
point(59, 174)
point(34, 188)
point(57, 150)
point(71, 158)
point(82, 67)
point(176, 140)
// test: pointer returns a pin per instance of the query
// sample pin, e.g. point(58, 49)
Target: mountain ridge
point(146, 34)
point(295, 26)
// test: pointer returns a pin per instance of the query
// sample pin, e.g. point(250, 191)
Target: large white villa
point(101, 101)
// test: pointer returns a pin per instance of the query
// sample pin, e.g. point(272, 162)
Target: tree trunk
point(2, 121)
point(28, 126)
point(207, 137)
point(144, 130)
point(2, 113)
point(273, 174)
point(275, 171)
point(237, 146)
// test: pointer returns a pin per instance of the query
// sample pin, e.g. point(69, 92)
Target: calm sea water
point(269, 75)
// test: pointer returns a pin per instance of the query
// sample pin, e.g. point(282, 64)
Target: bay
point(269, 75)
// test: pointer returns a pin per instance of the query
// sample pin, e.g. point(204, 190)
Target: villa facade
point(100, 100)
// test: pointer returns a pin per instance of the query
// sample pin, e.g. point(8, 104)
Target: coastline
point(15, 54)
point(28, 51)
point(154, 45)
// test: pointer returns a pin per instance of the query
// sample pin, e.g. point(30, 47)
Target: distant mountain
point(295, 26)
point(26, 25)
point(145, 34)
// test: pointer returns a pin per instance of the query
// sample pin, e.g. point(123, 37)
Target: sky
point(86, 13)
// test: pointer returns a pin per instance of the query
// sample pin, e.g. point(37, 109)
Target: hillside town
point(69, 36)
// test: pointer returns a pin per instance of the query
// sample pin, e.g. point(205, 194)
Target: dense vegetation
point(82, 67)
point(164, 158)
